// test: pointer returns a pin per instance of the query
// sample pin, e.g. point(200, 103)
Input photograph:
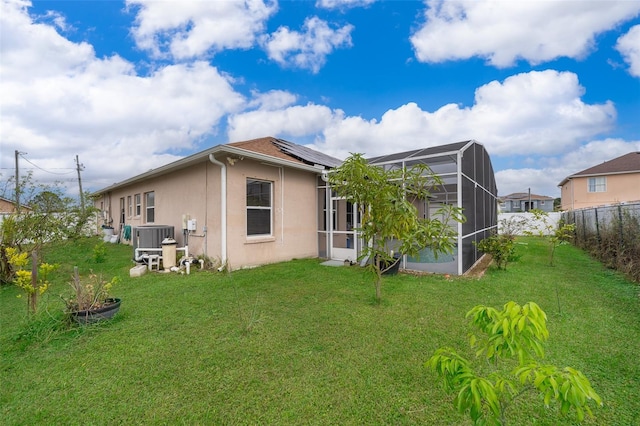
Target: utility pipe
point(138, 257)
point(223, 209)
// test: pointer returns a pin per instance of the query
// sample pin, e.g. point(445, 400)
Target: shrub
point(500, 247)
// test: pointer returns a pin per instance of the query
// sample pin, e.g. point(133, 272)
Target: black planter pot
point(91, 316)
point(391, 268)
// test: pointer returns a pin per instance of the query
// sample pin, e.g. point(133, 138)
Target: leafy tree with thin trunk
point(514, 337)
point(386, 198)
point(555, 235)
point(50, 217)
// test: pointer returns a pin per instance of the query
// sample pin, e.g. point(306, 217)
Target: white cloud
point(272, 100)
point(629, 46)
point(536, 115)
point(340, 4)
point(506, 31)
point(293, 121)
point(307, 49)
point(188, 29)
point(531, 113)
point(57, 97)
point(544, 180)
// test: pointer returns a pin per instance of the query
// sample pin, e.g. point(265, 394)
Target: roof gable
point(627, 163)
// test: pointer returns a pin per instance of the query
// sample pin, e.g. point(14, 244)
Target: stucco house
point(267, 200)
point(525, 201)
point(245, 204)
point(611, 182)
point(9, 206)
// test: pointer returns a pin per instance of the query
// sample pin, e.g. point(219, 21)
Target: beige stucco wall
point(621, 188)
point(294, 233)
point(196, 191)
point(7, 206)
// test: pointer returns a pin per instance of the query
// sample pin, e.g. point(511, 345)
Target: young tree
point(50, 217)
point(386, 199)
point(512, 335)
point(555, 235)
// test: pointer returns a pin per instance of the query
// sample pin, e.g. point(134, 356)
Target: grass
point(301, 343)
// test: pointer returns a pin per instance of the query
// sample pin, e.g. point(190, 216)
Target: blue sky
point(548, 87)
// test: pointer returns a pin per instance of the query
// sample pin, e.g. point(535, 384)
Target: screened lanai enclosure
point(468, 182)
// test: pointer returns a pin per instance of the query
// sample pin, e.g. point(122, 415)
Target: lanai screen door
point(342, 235)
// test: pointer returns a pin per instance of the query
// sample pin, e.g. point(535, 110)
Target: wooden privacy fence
point(610, 233)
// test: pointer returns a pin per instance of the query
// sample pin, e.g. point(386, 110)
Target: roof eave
point(195, 158)
point(579, 175)
point(267, 158)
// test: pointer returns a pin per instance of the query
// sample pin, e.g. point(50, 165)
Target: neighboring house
point(612, 182)
point(266, 200)
point(9, 206)
point(525, 201)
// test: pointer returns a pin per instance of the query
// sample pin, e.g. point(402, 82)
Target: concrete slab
point(137, 271)
point(333, 263)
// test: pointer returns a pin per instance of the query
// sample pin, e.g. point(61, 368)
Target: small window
point(138, 203)
point(258, 207)
point(150, 207)
point(598, 184)
point(129, 206)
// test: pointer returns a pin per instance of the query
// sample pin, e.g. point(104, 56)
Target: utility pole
point(78, 168)
point(17, 184)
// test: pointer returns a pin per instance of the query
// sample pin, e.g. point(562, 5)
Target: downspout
point(459, 201)
point(223, 209)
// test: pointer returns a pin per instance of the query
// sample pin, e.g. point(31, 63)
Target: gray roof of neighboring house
point(628, 163)
point(278, 151)
point(524, 196)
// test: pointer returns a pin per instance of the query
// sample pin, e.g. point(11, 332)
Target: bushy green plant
point(501, 247)
point(513, 335)
point(99, 252)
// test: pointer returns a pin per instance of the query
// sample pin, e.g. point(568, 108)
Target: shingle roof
point(286, 150)
point(277, 149)
point(524, 196)
point(628, 163)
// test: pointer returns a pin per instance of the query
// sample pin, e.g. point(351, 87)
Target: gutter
point(223, 209)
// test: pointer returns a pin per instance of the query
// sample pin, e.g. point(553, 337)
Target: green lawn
point(301, 343)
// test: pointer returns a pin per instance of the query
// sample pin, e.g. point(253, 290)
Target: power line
point(47, 171)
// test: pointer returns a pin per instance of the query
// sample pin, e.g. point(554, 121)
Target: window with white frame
point(129, 206)
point(259, 201)
point(598, 184)
point(150, 206)
point(138, 203)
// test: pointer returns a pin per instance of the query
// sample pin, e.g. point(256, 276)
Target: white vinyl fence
point(524, 222)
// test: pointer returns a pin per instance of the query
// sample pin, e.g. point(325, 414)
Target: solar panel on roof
point(305, 154)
